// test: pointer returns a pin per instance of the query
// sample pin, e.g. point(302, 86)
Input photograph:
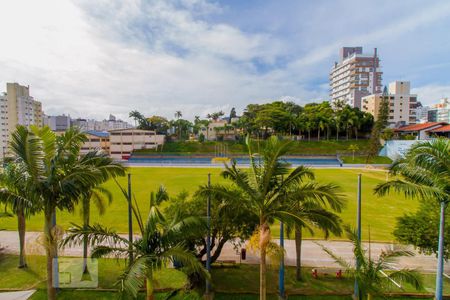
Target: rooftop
point(419, 127)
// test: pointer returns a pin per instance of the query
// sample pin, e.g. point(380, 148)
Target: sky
point(94, 58)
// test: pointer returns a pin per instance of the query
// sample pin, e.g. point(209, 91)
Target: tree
point(315, 203)
point(370, 276)
point(178, 114)
point(353, 148)
point(232, 114)
point(159, 124)
point(419, 229)
point(56, 175)
point(11, 194)
point(143, 122)
point(215, 115)
point(425, 173)
point(380, 124)
point(99, 196)
point(160, 243)
point(266, 190)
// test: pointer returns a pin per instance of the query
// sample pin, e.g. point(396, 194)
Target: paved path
point(22, 295)
point(312, 254)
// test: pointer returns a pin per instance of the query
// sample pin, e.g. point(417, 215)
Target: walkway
point(312, 254)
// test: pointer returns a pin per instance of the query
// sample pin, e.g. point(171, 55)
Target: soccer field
point(377, 213)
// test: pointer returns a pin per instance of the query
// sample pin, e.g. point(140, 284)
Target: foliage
point(368, 273)
point(159, 124)
point(419, 229)
point(379, 126)
point(143, 122)
point(388, 134)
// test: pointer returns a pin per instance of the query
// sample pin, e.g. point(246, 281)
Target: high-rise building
point(57, 123)
point(355, 75)
point(402, 104)
point(17, 107)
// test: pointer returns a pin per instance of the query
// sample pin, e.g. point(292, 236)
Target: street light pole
point(130, 220)
point(358, 230)
point(208, 237)
point(281, 272)
point(440, 268)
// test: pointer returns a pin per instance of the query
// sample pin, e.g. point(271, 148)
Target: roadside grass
point(362, 160)
point(238, 282)
point(380, 213)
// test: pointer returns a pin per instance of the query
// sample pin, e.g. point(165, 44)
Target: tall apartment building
point(93, 125)
point(402, 104)
point(57, 123)
point(355, 75)
point(17, 108)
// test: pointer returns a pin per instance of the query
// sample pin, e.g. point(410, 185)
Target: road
point(312, 254)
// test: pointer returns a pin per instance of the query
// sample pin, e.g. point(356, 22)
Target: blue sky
point(91, 58)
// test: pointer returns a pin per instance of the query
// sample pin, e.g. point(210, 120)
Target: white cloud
point(431, 94)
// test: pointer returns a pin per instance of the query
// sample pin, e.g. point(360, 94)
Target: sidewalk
point(312, 254)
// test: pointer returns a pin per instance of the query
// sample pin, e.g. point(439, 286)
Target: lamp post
point(440, 268)
point(281, 271)
point(358, 230)
point(208, 239)
point(130, 220)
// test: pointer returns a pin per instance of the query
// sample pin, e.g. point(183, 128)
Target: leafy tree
point(424, 174)
point(232, 114)
point(388, 134)
point(369, 274)
point(419, 229)
point(215, 115)
point(266, 190)
point(178, 114)
point(161, 242)
point(159, 124)
point(11, 194)
point(54, 173)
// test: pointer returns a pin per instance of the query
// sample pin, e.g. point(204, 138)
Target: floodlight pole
point(440, 267)
point(208, 237)
point(130, 221)
point(281, 271)
point(358, 230)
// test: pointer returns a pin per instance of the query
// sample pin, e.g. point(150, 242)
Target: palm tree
point(54, 173)
point(370, 275)
point(99, 196)
point(313, 202)
point(265, 192)
point(11, 194)
point(425, 173)
point(160, 243)
point(353, 148)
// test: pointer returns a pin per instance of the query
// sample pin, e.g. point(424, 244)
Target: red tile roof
point(445, 128)
point(419, 127)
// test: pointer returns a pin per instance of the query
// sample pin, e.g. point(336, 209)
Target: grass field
point(362, 160)
point(378, 213)
point(239, 281)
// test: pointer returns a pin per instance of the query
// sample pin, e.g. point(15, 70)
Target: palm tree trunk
point(262, 274)
point(369, 297)
point(50, 249)
point(86, 212)
point(149, 287)
point(309, 135)
point(337, 133)
point(298, 252)
point(21, 226)
point(318, 134)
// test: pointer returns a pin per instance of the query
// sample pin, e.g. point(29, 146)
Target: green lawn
point(378, 213)
point(362, 160)
point(239, 281)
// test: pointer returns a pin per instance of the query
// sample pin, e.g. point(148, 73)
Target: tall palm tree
point(425, 174)
point(267, 189)
point(12, 195)
point(160, 243)
point(315, 203)
point(56, 175)
point(99, 196)
point(370, 275)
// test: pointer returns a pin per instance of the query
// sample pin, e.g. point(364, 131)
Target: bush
point(201, 138)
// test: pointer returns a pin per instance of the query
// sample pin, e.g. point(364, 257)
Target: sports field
point(377, 213)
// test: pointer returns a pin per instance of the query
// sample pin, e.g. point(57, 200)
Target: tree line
point(311, 121)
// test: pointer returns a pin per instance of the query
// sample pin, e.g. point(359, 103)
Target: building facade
point(124, 141)
point(96, 140)
point(112, 123)
point(17, 107)
point(402, 104)
point(355, 75)
point(57, 123)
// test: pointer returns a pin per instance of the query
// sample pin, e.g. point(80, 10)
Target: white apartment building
point(402, 104)
point(124, 141)
point(355, 75)
point(93, 125)
point(17, 107)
